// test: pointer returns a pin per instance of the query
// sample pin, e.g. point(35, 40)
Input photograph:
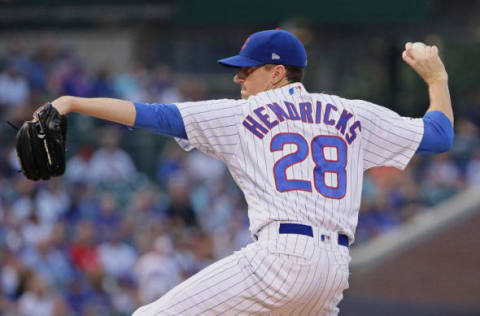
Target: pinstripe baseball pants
point(280, 274)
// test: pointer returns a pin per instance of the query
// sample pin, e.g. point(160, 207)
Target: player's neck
point(281, 83)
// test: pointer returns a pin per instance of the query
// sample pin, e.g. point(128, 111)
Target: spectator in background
point(12, 159)
point(385, 215)
point(6, 171)
point(107, 217)
point(109, 163)
point(37, 75)
point(23, 203)
point(404, 197)
point(473, 169)
point(202, 248)
point(48, 262)
point(218, 212)
point(33, 229)
point(59, 236)
point(54, 68)
point(157, 271)
point(184, 254)
point(170, 163)
point(84, 203)
point(78, 165)
point(102, 85)
point(203, 169)
point(377, 216)
point(146, 206)
point(232, 235)
point(12, 273)
point(180, 210)
point(14, 89)
point(145, 219)
point(443, 180)
point(83, 249)
point(78, 296)
point(131, 85)
point(18, 57)
point(75, 81)
point(117, 257)
point(52, 200)
point(43, 62)
point(124, 296)
point(39, 301)
point(466, 141)
point(163, 89)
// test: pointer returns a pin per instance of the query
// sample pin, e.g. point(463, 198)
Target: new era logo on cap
point(269, 47)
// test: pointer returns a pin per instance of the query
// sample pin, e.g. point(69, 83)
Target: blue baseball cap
point(269, 47)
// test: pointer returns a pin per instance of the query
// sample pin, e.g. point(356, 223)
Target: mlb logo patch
point(292, 90)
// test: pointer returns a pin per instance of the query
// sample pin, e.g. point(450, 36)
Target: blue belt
point(291, 228)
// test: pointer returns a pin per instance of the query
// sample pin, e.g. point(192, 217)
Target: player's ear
point(278, 74)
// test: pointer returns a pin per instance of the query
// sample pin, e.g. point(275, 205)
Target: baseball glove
point(41, 144)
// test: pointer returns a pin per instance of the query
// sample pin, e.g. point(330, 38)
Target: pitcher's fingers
point(407, 58)
point(409, 52)
point(428, 51)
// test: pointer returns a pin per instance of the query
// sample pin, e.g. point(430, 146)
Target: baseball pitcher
point(299, 159)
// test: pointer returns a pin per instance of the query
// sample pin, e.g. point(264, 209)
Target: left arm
point(163, 119)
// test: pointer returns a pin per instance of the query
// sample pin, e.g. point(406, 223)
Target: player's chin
point(244, 94)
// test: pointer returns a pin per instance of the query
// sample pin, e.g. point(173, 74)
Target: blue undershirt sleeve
point(438, 133)
point(163, 119)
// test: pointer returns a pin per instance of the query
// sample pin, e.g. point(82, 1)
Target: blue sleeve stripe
point(163, 119)
point(438, 133)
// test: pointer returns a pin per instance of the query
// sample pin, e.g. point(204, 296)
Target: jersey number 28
point(323, 166)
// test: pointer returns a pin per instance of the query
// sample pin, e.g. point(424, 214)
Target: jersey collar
point(289, 89)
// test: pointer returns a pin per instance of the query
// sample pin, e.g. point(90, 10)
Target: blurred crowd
point(107, 237)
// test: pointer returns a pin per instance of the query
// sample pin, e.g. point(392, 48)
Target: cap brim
point(239, 61)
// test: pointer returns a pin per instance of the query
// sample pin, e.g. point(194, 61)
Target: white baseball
point(419, 50)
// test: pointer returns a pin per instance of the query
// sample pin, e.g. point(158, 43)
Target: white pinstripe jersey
point(299, 156)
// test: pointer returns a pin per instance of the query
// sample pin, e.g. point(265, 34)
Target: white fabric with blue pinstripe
point(298, 157)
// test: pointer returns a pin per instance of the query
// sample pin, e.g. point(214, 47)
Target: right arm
point(114, 110)
point(438, 121)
